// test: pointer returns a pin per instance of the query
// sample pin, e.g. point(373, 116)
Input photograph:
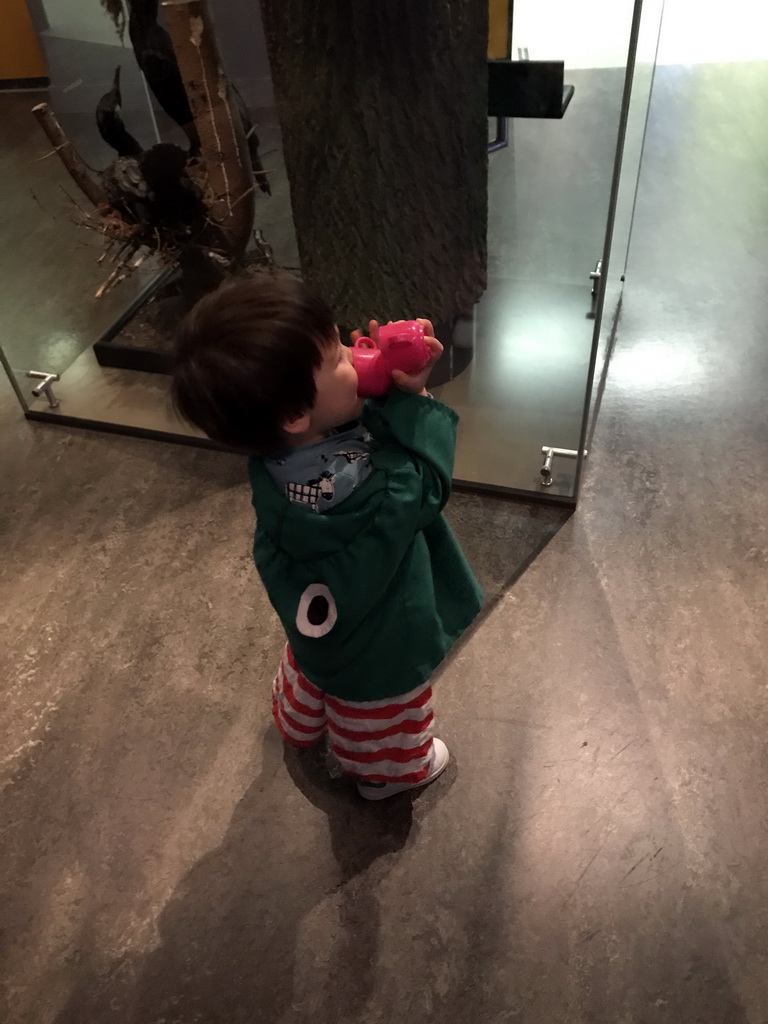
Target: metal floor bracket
point(549, 455)
point(45, 386)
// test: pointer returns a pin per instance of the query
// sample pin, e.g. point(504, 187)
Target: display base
point(24, 84)
point(112, 349)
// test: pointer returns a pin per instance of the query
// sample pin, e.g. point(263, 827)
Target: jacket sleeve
point(426, 429)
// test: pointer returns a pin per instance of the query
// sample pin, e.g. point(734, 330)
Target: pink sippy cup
point(401, 347)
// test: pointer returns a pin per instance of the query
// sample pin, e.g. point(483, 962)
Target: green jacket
point(375, 592)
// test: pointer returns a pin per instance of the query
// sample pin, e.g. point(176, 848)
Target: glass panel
point(49, 317)
point(244, 52)
point(549, 193)
point(53, 319)
point(634, 140)
point(526, 353)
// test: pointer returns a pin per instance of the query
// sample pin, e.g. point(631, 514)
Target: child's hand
point(415, 383)
point(373, 332)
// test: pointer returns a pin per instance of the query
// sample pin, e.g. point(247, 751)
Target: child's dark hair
point(245, 361)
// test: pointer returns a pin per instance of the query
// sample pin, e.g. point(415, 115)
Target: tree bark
point(383, 110)
point(69, 156)
point(223, 142)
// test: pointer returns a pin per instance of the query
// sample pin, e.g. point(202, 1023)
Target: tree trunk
point(383, 110)
point(224, 147)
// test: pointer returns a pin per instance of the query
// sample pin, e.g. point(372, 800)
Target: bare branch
point(45, 156)
point(106, 285)
point(245, 195)
point(68, 154)
point(224, 147)
point(36, 199)
point(74, 202)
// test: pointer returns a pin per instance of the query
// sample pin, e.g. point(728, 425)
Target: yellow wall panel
point(20, 53)
point(498, 29)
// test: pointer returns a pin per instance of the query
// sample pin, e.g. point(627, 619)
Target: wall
point(83, 20)
point(20, 53)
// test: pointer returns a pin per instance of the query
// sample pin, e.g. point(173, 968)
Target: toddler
point(369, 583)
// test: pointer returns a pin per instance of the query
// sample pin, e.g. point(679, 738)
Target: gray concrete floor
point(596, 851)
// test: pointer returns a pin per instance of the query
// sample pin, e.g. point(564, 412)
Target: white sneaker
point(381, 790)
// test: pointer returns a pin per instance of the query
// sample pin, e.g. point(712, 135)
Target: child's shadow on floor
point(360, 831)
point(366, 839)
point(270, 924)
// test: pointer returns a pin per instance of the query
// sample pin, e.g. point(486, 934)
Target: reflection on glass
point(549, 192)
point(49, 316)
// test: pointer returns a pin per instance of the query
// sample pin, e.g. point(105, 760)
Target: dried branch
point(224, 146)
point(124, 269)
point(245, 195)
point(68, 155)
point(34, 196)
point(77, 206)
point(118, 275)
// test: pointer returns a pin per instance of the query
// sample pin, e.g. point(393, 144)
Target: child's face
point(337, 400)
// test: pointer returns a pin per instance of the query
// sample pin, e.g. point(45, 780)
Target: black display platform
point(110, 352)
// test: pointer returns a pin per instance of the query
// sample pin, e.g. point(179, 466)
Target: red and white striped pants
point(378, 740)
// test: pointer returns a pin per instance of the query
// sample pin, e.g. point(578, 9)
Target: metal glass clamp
point(595, 278)
point(45, 386)
point(550, 454)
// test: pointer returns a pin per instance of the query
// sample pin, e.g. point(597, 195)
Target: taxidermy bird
point(110, 122)
point(151, 187)
point(156, 57)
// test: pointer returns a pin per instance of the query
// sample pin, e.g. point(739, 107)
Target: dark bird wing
point(155, 56)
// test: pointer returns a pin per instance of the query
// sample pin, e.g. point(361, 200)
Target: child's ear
point(297, 425)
